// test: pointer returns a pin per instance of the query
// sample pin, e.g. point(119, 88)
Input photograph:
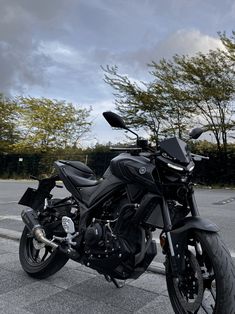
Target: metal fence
point(22, 166)
point(15, 166)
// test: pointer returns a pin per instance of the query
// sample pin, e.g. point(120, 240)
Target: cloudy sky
point(55, 48)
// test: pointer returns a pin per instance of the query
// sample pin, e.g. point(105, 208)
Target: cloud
point(21, 22)
point(55, 48)
point(187, 42)
point(61, 54)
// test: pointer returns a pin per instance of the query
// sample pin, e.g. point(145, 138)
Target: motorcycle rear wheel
point(39, 261)
point(208, 285)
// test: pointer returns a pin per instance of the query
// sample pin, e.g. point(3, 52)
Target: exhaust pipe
point(30, 219)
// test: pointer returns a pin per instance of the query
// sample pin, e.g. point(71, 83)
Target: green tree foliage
point(159, 107)
point(8, 123)
point(207, 82)
point(136, 104)
point(229, 44)
point(50, 124)
point(176, 109)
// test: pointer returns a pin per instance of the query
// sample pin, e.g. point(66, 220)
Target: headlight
point(175, 167)
point(191, 168)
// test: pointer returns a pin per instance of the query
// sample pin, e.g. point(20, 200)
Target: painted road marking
point(223, 202)
point(6, 203)
point(12, 217)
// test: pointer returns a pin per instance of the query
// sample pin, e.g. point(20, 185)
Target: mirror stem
point(133, 133)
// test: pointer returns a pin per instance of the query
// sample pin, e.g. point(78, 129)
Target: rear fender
point(180, 234)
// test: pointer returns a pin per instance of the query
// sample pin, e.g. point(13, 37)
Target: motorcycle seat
point(78, 165)
point(82, 182)
point(79, 173)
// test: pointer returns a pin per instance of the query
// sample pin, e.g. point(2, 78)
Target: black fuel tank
point(134, 169)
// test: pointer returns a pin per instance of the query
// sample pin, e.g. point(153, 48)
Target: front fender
point(198, 223)
point(179, 237)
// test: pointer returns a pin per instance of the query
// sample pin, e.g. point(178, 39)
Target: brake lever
point(199, 157)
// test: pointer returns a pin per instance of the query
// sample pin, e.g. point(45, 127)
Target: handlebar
point(150, 151)
point(125, 149)
point(199, 157)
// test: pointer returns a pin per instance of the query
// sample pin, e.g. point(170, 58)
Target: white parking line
point(12, 217)
point(6, 203)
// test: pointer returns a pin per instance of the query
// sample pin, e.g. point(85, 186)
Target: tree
point(158, 106)
point(138, 105)
point(207, 80)
point(229, 45)
point(8, 123)
point(177, 110)
point(50, 124)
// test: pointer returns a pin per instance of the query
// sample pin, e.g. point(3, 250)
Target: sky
point(56, 48)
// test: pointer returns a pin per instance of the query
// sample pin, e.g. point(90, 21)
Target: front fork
point(192, 203)
point(177, 244)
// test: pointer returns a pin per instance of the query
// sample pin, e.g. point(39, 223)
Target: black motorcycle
point(107, 224)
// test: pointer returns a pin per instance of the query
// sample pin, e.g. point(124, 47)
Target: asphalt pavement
point(78, 289)
point(75, 289)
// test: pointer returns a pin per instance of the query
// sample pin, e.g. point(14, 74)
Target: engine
point(111, 247)
point(100, 242)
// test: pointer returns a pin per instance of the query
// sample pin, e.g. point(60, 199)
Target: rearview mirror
point(114, 120)
point(195, 133)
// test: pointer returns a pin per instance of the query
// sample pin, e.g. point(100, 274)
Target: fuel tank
point(135, 169)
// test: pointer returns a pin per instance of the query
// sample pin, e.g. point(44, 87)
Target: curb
point(155, 267)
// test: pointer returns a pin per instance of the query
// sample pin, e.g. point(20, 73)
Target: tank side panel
point(135, 169)
point(90, 196)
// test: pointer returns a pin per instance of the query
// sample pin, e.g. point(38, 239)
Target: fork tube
point(166, 216)
point(193, 205)
point(167, 225)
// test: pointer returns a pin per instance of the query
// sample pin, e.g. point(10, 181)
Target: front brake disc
point(189, 289)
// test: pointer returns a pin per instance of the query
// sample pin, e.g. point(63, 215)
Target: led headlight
point(175, 167)
point(191, 168)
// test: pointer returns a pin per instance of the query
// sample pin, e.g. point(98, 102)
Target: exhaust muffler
point(30, 219)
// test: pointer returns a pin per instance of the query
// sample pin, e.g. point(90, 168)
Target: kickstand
point(111, 279)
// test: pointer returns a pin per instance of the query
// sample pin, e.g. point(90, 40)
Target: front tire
point(37, 260)
point(208, 284)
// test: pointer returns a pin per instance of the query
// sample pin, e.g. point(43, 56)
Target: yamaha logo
point(142, 170)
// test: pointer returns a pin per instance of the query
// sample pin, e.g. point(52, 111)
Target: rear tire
point(216, 271)
point(32, 261)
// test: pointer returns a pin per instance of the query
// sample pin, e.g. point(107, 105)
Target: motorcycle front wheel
point(208, 282)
